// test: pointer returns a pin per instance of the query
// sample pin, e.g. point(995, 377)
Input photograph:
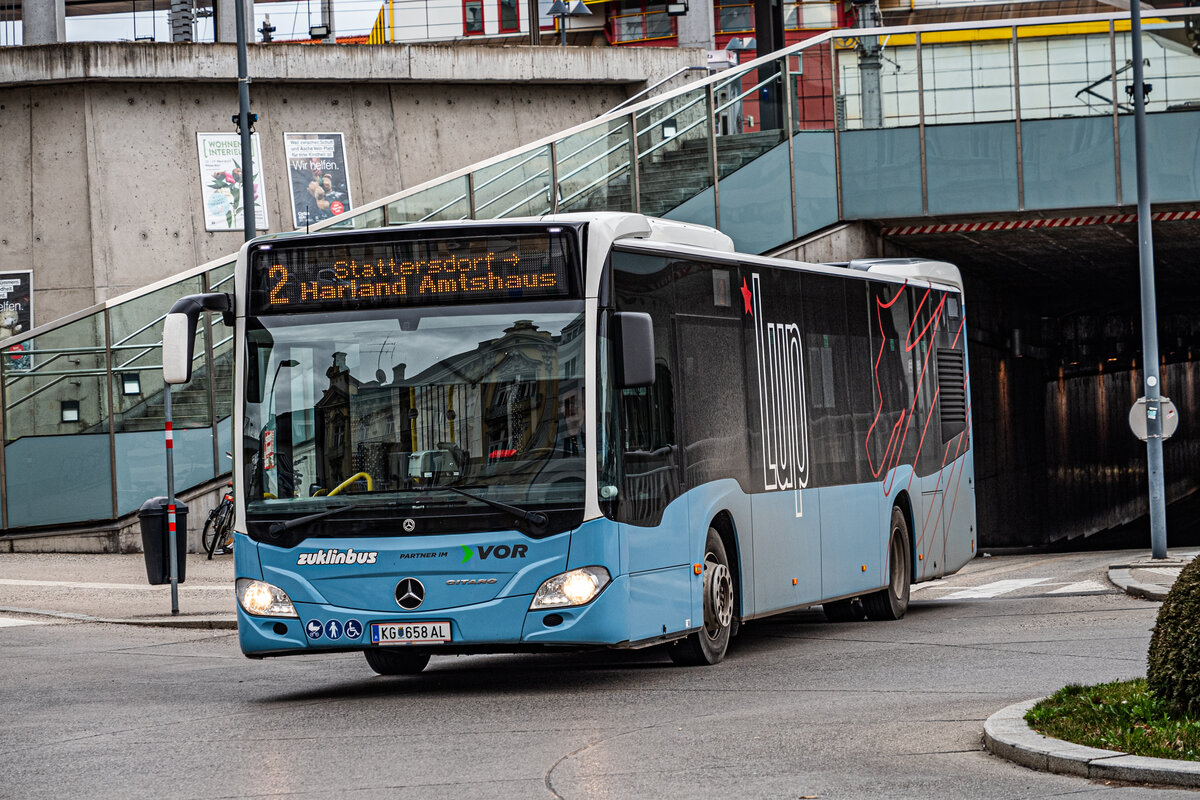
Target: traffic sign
point(1139, 413)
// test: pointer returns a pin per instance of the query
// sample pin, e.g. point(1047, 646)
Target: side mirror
point(179, 332)
point(635, 349)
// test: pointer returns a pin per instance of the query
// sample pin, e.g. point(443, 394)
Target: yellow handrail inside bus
point(352, 479)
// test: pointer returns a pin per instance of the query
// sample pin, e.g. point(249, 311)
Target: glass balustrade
point(885, 124)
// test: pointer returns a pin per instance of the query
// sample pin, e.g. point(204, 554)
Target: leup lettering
point(783, 408)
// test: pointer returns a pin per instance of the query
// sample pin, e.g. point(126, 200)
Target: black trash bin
point(156, 544)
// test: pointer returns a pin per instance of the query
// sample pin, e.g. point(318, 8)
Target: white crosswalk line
point(218, 587)
point(994, 589)
point(12, 622)
point(1083, 587)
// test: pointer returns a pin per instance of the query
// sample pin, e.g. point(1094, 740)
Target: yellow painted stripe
point(998, 34)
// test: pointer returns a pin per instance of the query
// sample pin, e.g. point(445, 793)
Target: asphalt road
point(800, 708)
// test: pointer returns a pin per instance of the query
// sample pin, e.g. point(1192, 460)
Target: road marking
point(11, 622)
point(1083, 587)
point(220, 587)
point(994, 589)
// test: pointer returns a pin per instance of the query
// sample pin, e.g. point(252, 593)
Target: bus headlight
point(264, 600)
point(572, 588)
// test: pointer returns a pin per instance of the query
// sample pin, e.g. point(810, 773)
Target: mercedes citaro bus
point(581, 431)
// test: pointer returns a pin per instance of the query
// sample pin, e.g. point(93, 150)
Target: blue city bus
point(581, 431)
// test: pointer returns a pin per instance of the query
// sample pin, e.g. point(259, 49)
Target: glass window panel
point(755, 101)
point(53, 479)
point(1177, 132)
point(968, 82)
point(816, 180)
point(674, 152)
point(1068, 163)
point(445, 201)
point(508, 16)
point(752, 199)
point(64, 364)
point(473, 16)
point(220, 279)
point(971, 168)
point(136, 327)
point(593, 168)
point(515, 187)
point(898, 102)
point(812, 82)
point(737, 18)
point(818, 15)
point(141, 462)
point(865, 156)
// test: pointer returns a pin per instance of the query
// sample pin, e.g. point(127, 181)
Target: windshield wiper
point(277, 529)
point(536, 520)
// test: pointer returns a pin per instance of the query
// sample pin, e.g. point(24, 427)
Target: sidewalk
point(113, 588)
point(1007, 735)
point(1149, 577)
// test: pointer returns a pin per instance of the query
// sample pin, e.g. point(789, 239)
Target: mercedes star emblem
point(410, 593)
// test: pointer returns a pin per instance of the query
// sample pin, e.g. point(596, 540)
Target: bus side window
point(650, 454)
point(649, 447)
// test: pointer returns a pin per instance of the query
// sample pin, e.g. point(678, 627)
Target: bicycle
point(218, 528)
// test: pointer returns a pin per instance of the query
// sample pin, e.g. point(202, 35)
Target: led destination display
point(288, 277)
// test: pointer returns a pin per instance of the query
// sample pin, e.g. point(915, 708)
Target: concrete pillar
point(327, 21)
point(696, 27)
point(183, 21)
point(226, 26)
point(43, 21)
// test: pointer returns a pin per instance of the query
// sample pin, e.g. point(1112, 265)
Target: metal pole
point(1154, 441)
point(248, 215)
point(173, 545)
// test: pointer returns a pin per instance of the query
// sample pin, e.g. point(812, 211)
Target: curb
point(1121, 576)
point(1007, 735)
point(209, 622)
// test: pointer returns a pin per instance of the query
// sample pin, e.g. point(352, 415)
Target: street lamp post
point(1150, 370)
point(560, 11)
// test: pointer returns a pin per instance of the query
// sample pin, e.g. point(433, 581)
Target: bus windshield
point(378, 408)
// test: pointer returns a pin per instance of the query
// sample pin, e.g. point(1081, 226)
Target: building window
point(735, 17)
point(472, 17)
point(510, 19)
point(70, 411)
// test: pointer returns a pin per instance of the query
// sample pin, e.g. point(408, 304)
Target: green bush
point(1173, 668)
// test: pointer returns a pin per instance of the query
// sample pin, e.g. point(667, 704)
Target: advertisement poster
point(221, 178)
point(317, 169)
point(16, 316)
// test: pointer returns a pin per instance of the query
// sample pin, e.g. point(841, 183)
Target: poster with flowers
point(221, 178)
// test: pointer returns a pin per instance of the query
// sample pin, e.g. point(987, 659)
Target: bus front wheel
point(395, 662)
point(708, 645)
point(891, 601)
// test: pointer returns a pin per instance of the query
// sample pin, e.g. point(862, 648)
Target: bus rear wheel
point(708, 645)
point(395, 662)
point(892, 601)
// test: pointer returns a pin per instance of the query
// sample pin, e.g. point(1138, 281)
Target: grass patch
point(1122, 716)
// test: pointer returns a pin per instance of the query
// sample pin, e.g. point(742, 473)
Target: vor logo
point(494, 551)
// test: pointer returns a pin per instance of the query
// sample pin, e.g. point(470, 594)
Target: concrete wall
point(102, 186)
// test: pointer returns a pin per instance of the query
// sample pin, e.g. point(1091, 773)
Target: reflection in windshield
point(360, 407)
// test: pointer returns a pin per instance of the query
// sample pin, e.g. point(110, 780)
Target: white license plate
point(409, 632)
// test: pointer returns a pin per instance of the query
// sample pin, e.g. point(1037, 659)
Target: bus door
point(926, 341)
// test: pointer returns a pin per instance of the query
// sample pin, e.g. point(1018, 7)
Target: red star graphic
point(746, 298)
